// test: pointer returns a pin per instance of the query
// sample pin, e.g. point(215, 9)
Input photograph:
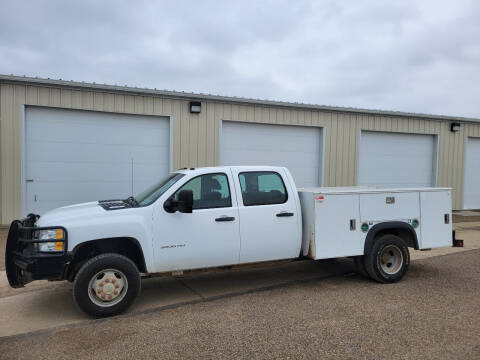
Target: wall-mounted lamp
point(195, 107)
point(454, 127)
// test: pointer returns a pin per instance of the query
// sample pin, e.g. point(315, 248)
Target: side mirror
point(170, 205)
point(185, 201)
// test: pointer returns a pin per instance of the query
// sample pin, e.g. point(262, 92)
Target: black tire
point(107, 265)
point(388, 260)
point(359, 263)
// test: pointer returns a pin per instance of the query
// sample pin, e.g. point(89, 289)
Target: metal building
point(63, 142)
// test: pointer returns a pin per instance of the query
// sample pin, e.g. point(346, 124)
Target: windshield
point(149, 196)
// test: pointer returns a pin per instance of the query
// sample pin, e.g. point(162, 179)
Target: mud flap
point(14, 273)
point(456, 242)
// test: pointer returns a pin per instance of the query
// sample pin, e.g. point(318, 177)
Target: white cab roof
point(203, 170)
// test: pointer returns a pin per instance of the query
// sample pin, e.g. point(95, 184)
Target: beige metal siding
point(196, 138)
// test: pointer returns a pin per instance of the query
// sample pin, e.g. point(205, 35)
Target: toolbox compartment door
point(436, 219)
point(389, 206)
point(337, 228)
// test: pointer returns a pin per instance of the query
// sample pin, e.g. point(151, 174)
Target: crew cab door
point(268, 216)
point(207, 237)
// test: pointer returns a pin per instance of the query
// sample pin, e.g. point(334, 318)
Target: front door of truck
point(207, 237)
point(269, 219)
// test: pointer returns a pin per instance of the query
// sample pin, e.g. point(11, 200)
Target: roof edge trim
point(218, 98)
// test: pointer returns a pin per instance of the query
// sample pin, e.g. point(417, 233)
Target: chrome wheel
point(107, 287)
point(391, 259)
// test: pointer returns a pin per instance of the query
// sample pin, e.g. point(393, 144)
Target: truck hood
point(72, 212)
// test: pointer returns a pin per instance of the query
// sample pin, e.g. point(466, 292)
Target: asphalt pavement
point(434, 313)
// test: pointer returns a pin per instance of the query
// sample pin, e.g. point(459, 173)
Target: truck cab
point(237, 215)
point(191, 219)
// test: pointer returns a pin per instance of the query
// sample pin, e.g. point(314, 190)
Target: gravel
point(434, 313)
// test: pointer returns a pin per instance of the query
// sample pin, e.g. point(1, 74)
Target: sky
point(405, 55)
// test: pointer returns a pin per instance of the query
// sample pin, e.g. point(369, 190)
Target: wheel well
point(125, 246)
point(401, 229)
point(404, 234)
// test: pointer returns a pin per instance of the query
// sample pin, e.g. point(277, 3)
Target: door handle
point(284, 214)
point(225, 218)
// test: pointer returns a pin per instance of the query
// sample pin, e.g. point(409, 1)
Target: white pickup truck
point(222, 216)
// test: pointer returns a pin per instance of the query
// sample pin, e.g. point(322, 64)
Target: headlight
point(50, 234)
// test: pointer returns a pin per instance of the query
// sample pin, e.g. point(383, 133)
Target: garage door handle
point(284, 214)
point(29, 180)
point(225, 218)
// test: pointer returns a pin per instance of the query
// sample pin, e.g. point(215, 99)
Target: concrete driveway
point(45, 305)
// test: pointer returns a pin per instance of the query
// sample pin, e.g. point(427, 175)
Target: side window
point(262, 188)
point(209, 191)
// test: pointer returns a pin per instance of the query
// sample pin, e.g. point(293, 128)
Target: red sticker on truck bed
point(319, 198)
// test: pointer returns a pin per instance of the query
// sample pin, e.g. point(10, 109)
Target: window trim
point(210, 207)
point(263, 171)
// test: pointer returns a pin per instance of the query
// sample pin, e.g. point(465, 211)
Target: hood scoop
point(114, 204)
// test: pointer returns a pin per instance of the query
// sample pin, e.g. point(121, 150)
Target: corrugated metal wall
point(195, 140)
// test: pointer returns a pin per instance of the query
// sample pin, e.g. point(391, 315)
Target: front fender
point(133, 223)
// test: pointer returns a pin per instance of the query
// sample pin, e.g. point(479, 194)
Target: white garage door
point(298, 148)
point(471, 193)
point(76, 156)
point(397, 160)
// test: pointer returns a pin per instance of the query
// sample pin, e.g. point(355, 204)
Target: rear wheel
point(388, 259)
point(106, 285)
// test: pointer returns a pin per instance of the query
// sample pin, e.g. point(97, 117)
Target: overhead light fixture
point(454, 127)
point(195, 107)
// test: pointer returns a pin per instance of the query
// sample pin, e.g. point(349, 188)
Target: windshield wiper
point(131, 201)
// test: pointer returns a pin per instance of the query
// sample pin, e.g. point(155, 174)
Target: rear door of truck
point(268, 215)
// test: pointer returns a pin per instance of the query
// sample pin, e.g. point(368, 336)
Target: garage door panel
point(109, 129)
point(68, 152)
point(394, 159)
point(471, 192)
point(74, 191)
point(67, 171)
point(114, 179)
point(280, 137)
point(76, 156)
point(150, 172)
point(267, 156)
point(295, 147)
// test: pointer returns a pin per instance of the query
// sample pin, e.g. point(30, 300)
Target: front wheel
point(106, 285)
point(388, 259)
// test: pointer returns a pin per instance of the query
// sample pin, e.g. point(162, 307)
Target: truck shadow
point(164, 291)
point(53, 306)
